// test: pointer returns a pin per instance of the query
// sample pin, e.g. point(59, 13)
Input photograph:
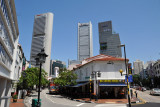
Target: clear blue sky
point(136, 21)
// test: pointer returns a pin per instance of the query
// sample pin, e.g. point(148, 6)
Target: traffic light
point(129, 68)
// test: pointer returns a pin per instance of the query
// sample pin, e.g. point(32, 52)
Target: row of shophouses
point(12, 60)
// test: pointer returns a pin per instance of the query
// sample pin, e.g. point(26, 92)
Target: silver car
point(155, 91)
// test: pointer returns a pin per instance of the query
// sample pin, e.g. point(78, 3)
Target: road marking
point(111, 105)
point(79, 104)
point(48, 97)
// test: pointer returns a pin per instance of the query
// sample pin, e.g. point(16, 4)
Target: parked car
point(143, 89)
point(155, 91)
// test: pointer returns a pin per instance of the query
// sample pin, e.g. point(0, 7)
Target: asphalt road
point(147, 105)
point(49, 100)
point(149, 98)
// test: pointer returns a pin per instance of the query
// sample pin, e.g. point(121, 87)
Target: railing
point(7, 100)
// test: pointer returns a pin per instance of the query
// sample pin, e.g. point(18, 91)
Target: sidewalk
point(114, 101)
point(19, 103)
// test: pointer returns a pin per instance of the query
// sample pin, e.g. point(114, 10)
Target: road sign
point(130, 78)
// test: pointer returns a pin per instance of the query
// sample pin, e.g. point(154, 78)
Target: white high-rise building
point(42, 38)
point(138, 66)
point(9, 37)
point(85, 42)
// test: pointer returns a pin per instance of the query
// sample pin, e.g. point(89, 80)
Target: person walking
point(136, 93)
point(131, 93)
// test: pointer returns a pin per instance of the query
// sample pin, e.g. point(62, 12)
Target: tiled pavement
point(115, 101)
point(19, 103)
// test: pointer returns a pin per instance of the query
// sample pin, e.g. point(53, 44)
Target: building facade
point(110, 81)
point(138, 66)
point(85, 42)
point(156, 68)
point(55, 66)
point(9, 37)
point(109, 40)
point(42, 38)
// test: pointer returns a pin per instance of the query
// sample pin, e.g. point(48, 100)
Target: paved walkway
point(110, 101)
point(19, 103)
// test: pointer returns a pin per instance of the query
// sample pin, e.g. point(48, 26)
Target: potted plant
point(15, 98)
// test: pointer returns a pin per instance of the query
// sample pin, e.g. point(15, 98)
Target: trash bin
point(34, 102)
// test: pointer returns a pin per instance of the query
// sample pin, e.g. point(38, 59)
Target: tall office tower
point(9, 37)
point(85, 42)
point(109, 40)
point(138, 66)
point(42, 38)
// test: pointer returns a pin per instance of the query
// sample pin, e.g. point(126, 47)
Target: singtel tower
point(42, 38)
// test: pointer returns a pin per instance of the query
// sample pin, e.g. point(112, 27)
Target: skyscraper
point(85, 42)
point(138, 66)
point(109, 40)
point(42, 38)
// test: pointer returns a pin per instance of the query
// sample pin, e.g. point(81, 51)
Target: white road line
point(111, 105)
point(48, 97)
point(79, 104)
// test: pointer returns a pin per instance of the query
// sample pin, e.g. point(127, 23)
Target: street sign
point(130, 78)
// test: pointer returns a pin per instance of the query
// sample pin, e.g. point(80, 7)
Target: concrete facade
point(58, 65)
point(9, 37)
point(42, 38)
point(138, 66)
point(156, 68)
point(108, 66)
point(85, 42)
point(108, 40)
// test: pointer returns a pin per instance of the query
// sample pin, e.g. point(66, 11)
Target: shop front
point(112, 89)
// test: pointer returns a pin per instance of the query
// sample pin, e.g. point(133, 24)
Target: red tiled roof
point(101, 57)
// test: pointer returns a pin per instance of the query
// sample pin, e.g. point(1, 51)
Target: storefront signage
point(110, 81)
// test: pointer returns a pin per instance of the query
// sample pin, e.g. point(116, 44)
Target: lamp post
point(40, 58)
point(121, 71)
point(96, 74)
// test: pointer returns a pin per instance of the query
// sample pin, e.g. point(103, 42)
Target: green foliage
point(32, 78)
point(15, 96)
point(66, 77)
point(136, 79)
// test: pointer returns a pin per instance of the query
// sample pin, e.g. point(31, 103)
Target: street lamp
point(121, 71)
point(96, 74)
point(40, 58)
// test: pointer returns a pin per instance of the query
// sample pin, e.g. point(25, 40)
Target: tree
point(32, 78)
point(136, 79)
point(66, 77)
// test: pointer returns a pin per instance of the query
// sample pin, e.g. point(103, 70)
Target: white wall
point(108, 71)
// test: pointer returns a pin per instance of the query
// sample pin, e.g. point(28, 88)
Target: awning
point(80, 84)
point(112, 84)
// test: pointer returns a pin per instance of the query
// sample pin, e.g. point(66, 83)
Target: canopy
point(112, 84)
point(80, 84)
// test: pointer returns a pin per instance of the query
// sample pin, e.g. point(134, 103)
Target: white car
point(155, 91)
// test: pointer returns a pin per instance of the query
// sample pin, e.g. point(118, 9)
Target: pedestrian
point(136, 93)
point(131, 93)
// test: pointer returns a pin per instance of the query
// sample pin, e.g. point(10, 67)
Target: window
point(103, 46)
